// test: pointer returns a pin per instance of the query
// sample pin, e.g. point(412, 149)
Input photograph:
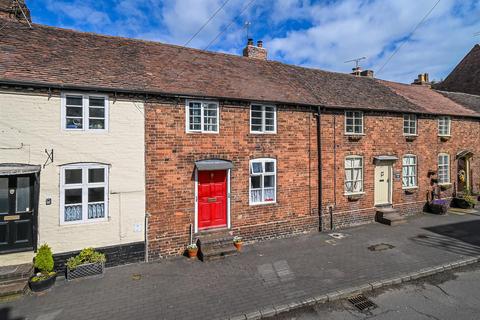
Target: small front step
point(389, 216)
point(215, 245)
point(14, 279)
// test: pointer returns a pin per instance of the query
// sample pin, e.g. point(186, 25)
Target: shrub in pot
point(45, 277)
point(238, 242)
point(87, 263)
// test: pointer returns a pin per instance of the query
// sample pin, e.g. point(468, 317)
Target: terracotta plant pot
point(192, 253)
point(238, 245)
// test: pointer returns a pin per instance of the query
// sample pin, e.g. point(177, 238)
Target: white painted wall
point(35, 121)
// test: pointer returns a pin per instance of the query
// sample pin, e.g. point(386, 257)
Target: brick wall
point(170, 156)
point(384, 136)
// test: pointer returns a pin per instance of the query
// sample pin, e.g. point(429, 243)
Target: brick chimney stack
point(357, 71)
point(422, 80)
point(255, 52)
point(12, 9)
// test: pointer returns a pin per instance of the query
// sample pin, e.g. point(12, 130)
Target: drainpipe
point(319, 169)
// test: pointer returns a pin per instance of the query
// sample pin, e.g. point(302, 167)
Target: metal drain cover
point(362, 303)
point(380, 247)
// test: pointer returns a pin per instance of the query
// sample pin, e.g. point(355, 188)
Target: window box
point(354, 137)
point(411, 137)
point(87, 270)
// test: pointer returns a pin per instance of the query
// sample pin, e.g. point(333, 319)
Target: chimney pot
point(260, 43)
point(250, 42)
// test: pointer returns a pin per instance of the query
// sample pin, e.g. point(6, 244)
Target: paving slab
point(278, 274)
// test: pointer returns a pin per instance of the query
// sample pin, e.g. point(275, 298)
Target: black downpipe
point(319, 169)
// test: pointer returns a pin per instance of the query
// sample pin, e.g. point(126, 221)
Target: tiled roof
point(468, 100)
point(430, 100)
point(59, 57)
point(466, 75)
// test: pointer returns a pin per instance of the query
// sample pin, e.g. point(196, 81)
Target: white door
point(382, 184)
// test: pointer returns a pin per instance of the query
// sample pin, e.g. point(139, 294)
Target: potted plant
point(238, 242)
point(439, 206)
point(45, 277)
point(192, 250)
point(86, 264)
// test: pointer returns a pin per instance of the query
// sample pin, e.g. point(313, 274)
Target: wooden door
point(212, 199)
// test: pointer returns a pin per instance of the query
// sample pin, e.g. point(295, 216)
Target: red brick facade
point(384, 136)
point(171, 154)
point(170, 162)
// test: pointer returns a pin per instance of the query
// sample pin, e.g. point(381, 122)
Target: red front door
point(212, 199)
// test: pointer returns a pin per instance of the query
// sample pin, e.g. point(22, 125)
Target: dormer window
point(83, 112)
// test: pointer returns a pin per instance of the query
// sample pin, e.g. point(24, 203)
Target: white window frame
point(263, 131)
point(202, 105)
point(363, 175)
point(84, 186)
point(353, 118)
point(415, 165)
point(447, 165)
point(446, 121)
point(85, 111)
point(263, 174)
point(408, 118)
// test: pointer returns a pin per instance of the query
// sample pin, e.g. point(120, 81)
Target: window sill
point(262, 132)
point(410, 190)
point(262, 203)
point(354, 196)
point(445, 186)
point(202, 132)
point(81, 222)
point(444, 138)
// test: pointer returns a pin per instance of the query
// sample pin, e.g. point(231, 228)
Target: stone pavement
point(266, 274)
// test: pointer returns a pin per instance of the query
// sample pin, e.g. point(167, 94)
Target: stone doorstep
point(268, 312)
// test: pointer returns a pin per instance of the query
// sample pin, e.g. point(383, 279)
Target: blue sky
point(321, 34)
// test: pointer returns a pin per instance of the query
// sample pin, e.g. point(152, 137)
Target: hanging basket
point(86, 271)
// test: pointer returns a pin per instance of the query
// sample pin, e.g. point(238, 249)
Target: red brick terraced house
point(248, 146)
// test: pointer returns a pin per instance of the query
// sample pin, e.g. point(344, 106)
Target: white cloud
point(321, 34)
point(349, 29)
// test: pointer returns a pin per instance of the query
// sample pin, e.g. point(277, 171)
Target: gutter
point(48, 85)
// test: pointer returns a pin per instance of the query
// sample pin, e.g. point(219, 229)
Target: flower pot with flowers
point(45, 277)
point(192, 250)
point(238, 243)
